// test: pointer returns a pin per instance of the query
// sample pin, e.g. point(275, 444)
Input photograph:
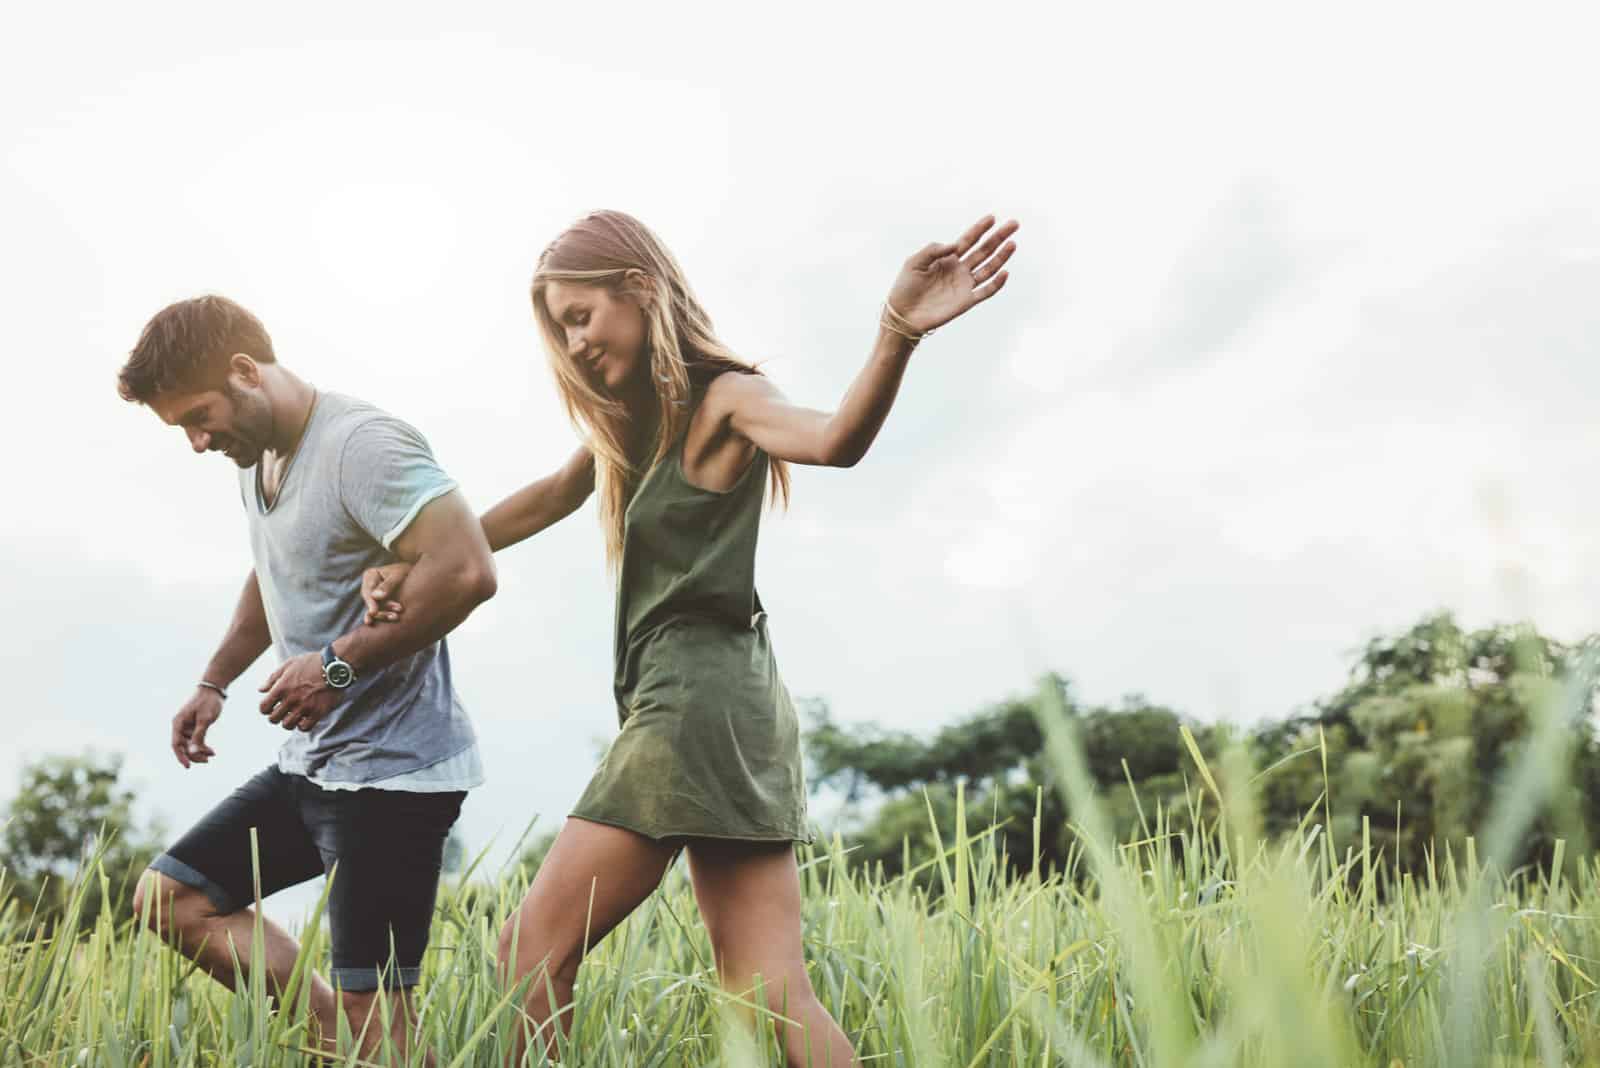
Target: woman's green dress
point(709, 746)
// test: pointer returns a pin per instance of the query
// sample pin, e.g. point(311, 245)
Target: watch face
point(338, 674)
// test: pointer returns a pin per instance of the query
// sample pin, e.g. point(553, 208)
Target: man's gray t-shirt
point(356, 481)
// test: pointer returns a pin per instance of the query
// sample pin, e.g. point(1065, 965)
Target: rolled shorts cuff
point(362, 980)
point(173, 868)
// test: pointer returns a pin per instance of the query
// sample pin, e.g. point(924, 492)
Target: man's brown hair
point(187, 345)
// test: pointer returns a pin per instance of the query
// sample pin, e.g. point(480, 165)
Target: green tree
point(1431, 719)
point(1412, 747)
point(997, 754)
point(68, 809)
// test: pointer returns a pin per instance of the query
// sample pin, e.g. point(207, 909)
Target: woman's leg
point(593, 876)
point(749, 895)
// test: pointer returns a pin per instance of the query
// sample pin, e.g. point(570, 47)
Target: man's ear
point(244, 369)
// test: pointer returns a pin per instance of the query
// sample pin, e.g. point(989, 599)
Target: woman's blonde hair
point(684, 352)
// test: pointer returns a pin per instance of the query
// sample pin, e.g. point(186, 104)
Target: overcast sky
point(1300, 343)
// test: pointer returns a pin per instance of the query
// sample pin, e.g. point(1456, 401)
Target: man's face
point(233, 420)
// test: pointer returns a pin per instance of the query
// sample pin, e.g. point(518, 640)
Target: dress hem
point(626, 826)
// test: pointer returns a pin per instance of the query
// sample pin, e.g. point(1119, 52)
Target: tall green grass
point(1193, 947)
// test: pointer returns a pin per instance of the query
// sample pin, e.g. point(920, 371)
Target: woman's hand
point(943, 281)
point(380, 589)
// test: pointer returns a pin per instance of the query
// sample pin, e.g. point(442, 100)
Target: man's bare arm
point(452, 573)
point(246, 638)
point(523, 514)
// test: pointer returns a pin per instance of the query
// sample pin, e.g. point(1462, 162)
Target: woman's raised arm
point(934, 286)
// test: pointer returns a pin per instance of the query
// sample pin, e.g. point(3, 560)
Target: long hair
point(684, 353)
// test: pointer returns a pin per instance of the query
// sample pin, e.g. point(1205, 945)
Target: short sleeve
point(387, 475)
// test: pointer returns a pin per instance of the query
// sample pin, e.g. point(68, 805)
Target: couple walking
point(366, 556)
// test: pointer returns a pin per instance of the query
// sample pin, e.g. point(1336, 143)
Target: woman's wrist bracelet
point(896, 323)
point(213, 686)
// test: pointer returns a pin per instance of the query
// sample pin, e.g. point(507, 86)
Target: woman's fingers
point(982, 252)
point(965, 242)
point(379, 585)
point(989, 289)
point(372, 590)
point(992, 265)
point(967, 247)
point(387, 612)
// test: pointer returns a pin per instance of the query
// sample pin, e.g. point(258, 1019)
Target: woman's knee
point(507, 948)
point(779, 985)
point(521, 955)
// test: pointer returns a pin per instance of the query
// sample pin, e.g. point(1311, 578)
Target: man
point(380, 751)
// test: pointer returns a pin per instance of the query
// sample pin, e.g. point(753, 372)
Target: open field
point(1208, 947)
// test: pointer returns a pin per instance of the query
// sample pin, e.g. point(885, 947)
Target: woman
point(685, 437)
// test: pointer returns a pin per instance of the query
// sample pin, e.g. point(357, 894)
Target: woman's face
point(604, 332)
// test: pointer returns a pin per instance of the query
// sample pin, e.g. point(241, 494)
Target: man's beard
point(252, 427)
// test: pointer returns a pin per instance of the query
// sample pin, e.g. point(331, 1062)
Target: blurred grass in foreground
point(1194, 947)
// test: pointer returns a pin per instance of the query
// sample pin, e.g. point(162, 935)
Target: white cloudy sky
point(1300, 344)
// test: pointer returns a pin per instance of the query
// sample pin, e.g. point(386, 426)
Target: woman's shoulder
point(721, 398)
point(726, 390)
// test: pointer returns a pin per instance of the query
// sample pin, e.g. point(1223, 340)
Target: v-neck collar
point(288, 467)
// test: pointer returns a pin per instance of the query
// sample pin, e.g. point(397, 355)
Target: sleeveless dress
point(709, 745)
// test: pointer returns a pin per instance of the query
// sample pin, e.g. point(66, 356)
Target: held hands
point(380, 589)
point(189, 727)
point(297, 697)
point(942, 282)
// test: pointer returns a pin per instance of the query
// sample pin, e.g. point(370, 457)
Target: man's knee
point(163, 905)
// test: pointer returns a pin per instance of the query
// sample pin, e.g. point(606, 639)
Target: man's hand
point(297, 697)
point(189, 726)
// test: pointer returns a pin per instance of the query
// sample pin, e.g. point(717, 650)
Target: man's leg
point(198, 894)
point(188, 919)
point(364, 1013)
point(385, 849)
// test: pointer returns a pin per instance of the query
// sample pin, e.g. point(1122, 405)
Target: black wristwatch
point(335, 672)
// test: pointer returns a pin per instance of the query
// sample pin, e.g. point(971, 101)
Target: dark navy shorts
point(388, 844)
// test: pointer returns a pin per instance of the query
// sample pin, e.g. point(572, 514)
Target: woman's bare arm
point(934, 286)
point(532, 508)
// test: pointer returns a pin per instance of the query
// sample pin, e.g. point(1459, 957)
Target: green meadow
point(1196, 942)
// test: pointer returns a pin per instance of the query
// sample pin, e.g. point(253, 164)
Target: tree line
point(1411, 752)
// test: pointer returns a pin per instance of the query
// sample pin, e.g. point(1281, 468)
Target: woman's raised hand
point(943, 281)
